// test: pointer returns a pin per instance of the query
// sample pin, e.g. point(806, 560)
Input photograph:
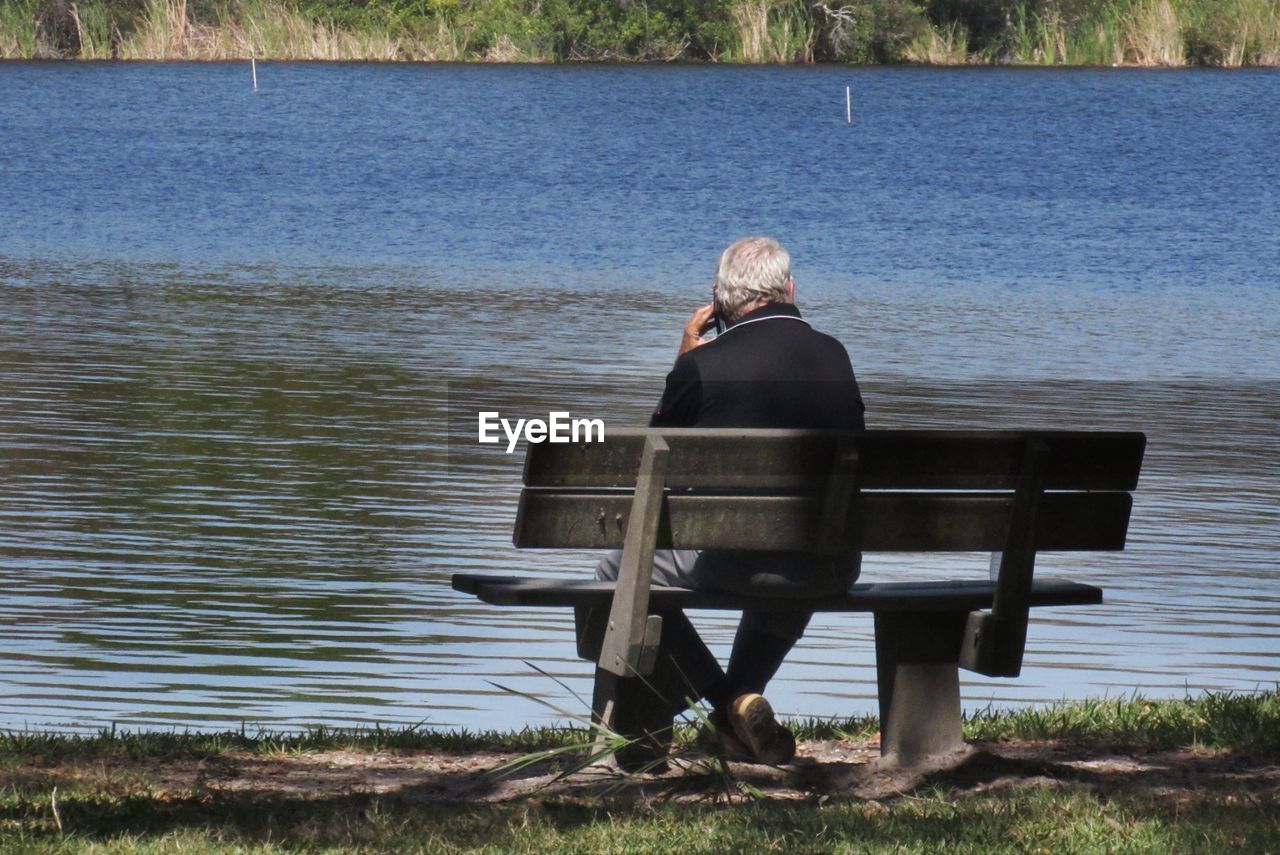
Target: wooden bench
point(1011, 493)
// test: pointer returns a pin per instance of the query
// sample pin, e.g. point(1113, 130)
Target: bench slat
point(879, 522)
point(890, 460)
point(960, 595)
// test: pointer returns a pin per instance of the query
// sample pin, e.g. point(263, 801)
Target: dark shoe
point(642, 755)
point(645, 752)
point(720, 742)
point(755, 726)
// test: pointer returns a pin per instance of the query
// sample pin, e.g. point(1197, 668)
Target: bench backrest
point(1009, 492)
point(915, 491)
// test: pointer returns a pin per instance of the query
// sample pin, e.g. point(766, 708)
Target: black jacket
point(770, 369)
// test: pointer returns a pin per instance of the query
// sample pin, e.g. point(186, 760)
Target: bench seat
point(939, 596)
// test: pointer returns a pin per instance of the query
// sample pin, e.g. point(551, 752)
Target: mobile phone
point(719, 323)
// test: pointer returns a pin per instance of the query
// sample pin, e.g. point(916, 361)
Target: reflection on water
point(238, 331)
point(222, 504)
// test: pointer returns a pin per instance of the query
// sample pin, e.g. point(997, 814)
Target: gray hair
point(751, 269)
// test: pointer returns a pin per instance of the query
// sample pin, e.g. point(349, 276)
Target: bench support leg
point(917, 667)
point(641, 708)
point(628, 707)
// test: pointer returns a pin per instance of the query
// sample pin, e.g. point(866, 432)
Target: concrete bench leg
point(917, 667)
point(629, 707)
point(642, 708)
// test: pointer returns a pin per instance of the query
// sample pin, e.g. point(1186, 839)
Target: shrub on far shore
point(1047, 32)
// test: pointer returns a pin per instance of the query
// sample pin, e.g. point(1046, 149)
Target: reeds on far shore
point(1227, 33)
point(168, 30)
point(772, 32)
point(18, 39)
point(1153, 34)
point(941, 46)
point(1143, 33)
point(1237, 33)
point(270, 29)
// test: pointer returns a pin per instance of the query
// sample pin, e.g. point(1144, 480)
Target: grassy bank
point(1230, 33)
point(1214, 721)
point(1040, 821)
point(1198, 775)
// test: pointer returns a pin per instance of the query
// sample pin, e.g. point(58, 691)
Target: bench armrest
point(994, 641)
point(631, 640)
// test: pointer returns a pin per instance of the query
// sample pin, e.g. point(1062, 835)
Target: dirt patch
point(821, 769)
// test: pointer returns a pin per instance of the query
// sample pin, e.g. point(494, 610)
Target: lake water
point(235, 328)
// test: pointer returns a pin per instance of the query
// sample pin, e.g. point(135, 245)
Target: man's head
point(752, 270)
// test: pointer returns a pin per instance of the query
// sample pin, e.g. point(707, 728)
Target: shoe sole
point(756, 727)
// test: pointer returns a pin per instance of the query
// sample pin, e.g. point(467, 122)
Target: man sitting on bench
point(767, 369)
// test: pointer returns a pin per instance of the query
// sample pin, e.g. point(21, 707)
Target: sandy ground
point(821, 769)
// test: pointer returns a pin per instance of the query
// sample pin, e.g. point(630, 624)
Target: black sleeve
point(682, 398)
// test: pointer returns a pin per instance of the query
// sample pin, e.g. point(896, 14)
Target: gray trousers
point(686, 669)
point(783, 575)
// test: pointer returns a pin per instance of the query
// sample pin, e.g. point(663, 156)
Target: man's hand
point(699, 323)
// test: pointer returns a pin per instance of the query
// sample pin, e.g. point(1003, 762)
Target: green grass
point(1217, 720)
point(1032, 820)
point(1241, 722)
point(20, 746)
point(76, 794)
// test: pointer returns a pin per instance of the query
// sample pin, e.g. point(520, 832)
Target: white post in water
point(848, 105)
point(253, 63)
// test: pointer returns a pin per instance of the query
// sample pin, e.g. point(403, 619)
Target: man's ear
point(791, 290)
